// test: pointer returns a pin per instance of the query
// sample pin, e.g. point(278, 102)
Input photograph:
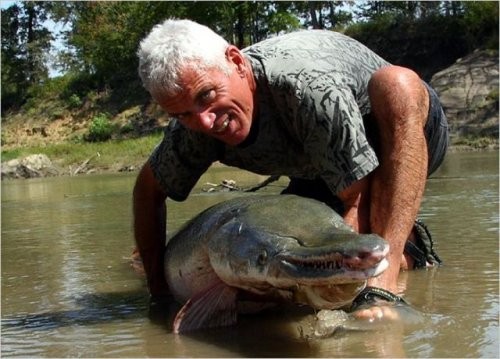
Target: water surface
point(68, 290)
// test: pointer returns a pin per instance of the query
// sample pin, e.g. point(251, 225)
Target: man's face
point(214, 103)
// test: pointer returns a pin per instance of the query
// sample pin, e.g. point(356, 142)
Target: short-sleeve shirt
point(312, 91)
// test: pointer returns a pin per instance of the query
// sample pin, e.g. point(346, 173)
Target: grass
point(113, 154)
point(476, 142)
point(104, 155)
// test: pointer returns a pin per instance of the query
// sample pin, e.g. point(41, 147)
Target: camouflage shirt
point(312, 94)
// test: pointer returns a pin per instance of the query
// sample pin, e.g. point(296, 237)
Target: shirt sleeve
point(335, 135)
point(180, 159)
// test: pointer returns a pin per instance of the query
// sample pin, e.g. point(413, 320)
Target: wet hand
point(377, 313)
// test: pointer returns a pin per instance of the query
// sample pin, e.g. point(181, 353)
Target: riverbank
point(127, 155)
point(69, 159)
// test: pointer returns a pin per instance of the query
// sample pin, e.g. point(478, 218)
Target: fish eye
point(262, 258)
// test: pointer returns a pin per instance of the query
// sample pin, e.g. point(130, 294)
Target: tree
point(481, 20)
point(323, 14)
point(105, 35)
point(14, 83)
point(25, 45)
point(245, 22)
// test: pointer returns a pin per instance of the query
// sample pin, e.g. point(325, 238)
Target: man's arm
point(150, 228)
point(387, 201)
point(400, 105)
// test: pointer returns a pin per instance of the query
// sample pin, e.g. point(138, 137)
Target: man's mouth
point(222, 125)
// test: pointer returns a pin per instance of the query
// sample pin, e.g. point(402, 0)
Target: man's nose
point(206, 120)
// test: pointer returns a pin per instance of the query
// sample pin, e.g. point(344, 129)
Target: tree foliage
point(426, 36)
point(25, 45)
point(101, 38)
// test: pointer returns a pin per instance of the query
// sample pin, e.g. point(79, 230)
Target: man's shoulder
point(313, 53)
point(294, 44)
point(299, 36)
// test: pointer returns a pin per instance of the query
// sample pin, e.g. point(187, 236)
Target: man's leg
point(315, 189)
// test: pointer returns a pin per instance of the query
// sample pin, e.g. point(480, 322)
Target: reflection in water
point(92, 309)
point(68, 290)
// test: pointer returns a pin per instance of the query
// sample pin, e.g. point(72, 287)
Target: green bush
point(100, 129)
point(74, 101)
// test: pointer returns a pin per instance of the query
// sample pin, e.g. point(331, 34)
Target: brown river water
point(68, 289)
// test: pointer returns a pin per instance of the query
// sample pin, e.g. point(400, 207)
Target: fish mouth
point(334, 267)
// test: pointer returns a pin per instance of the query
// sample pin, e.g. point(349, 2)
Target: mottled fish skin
point(268, 248)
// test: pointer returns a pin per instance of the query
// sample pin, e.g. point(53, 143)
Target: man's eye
point(207, 96)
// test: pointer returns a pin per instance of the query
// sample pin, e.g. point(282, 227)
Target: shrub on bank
point(100, 129)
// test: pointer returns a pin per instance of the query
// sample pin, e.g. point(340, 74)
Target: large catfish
point(271, 248)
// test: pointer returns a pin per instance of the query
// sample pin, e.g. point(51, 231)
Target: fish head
point(323, 269)
point(242, 255)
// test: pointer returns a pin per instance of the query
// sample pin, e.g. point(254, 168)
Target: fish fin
point(213, 307)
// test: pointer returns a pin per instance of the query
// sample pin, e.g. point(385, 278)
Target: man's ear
point(234, 56)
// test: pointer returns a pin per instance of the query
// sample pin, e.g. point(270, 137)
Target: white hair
point(173, 46)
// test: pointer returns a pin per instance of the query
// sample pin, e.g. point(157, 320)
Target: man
point(346, 126)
